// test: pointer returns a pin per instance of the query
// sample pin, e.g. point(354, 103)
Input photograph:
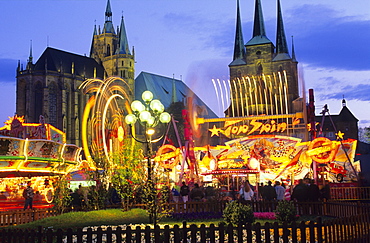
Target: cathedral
point(50, 86)
point(263, 76)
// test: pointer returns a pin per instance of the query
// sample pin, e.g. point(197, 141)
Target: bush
point(196, 216)
point(286, 212)
point(237, 213)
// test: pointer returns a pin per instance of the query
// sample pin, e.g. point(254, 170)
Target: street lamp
point(148, 115)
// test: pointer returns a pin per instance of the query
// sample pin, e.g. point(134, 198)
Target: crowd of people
point(305, 191)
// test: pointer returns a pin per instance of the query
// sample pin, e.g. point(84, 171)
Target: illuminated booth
point(34, 152)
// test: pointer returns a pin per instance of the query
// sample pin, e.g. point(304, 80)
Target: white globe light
point(147, 96)
point(156, 106)
point(165, 117)
point(151, 121)
point(120, 133)
point(136, 105)
point(130, 119)
point(144, 116)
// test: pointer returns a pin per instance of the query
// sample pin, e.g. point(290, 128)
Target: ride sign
point(323, 150)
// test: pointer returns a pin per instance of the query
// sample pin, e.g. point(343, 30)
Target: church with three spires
point(263, 77)
point(50, 86)
point(264, 80)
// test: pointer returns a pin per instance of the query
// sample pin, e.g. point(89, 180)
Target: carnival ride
point(33, 152)
point(261, 146)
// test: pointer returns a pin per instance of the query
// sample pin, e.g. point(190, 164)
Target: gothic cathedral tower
point(111, 50)
point(263, 77)
point(50, 87)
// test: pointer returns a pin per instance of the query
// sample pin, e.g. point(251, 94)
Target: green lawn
point(91, 218)
point(116, 217)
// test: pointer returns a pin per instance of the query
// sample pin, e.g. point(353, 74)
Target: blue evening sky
point(193, 40)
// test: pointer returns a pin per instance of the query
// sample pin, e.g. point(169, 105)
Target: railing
point(330, 208)
point(348, 229)
point(350, 193)
point(24, 216)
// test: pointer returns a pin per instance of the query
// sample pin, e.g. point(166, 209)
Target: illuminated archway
point(102, 125)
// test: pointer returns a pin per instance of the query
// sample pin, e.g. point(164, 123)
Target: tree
point(175, 109)
point(364, 134)
point(128, 171)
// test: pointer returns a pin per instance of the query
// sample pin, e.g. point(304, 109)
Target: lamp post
point(148, 115)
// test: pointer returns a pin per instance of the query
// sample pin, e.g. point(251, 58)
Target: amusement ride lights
point(148, 115)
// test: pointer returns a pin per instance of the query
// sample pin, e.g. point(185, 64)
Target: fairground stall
point(262, 158)
point(36, 153)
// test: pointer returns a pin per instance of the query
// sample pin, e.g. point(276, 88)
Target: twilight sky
point(193, 40)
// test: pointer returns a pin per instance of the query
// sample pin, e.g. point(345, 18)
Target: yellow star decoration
point(339, 135)
point(214, 131)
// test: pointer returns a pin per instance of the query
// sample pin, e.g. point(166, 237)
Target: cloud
point(324, 38)
point(8, 70)
point(352, 92)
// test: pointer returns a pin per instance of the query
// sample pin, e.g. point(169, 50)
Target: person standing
point(280, 191)
point(184, 192)
point(197, 193)
point(269, 192)
point(313, 192)
point(287, 194)
point(325, 191)
point(300, 192)
point(175, 194)
point(28, 195)
point(246, 193)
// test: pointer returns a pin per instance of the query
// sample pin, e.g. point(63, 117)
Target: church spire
point(123, 42)
point(174, 95)
point(108, 12)
point(259, 32)
point(282, 52)
point(239, 50)
point(108, 26)
point(92, 42)
point(259, 24)
point(30, 58)
point(293, 52)
point(281, 44)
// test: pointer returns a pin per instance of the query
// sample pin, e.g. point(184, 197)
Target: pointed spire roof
point(259, 33)
point(108, 12)
point(174, 95)
point(108, 26)
point(293, 52)
point(30, 58)
point(281, 44)
point(239, 49)
point(123, 42)
point(92, 42)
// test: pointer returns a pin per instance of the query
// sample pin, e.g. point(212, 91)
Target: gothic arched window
point(53, 104)
point(259, 69)
point(281, 69)
point(108, 50)
point(258, 54)
point(38, 101)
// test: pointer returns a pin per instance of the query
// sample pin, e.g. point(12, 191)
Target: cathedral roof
point(123, 42)
point(239, 49)
point(108, 25)
point(259, 32)
point(281, 44)
point(346, 115)
point(281, 56)
point(162, 88)
point(61, 61)
point(258, 40)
